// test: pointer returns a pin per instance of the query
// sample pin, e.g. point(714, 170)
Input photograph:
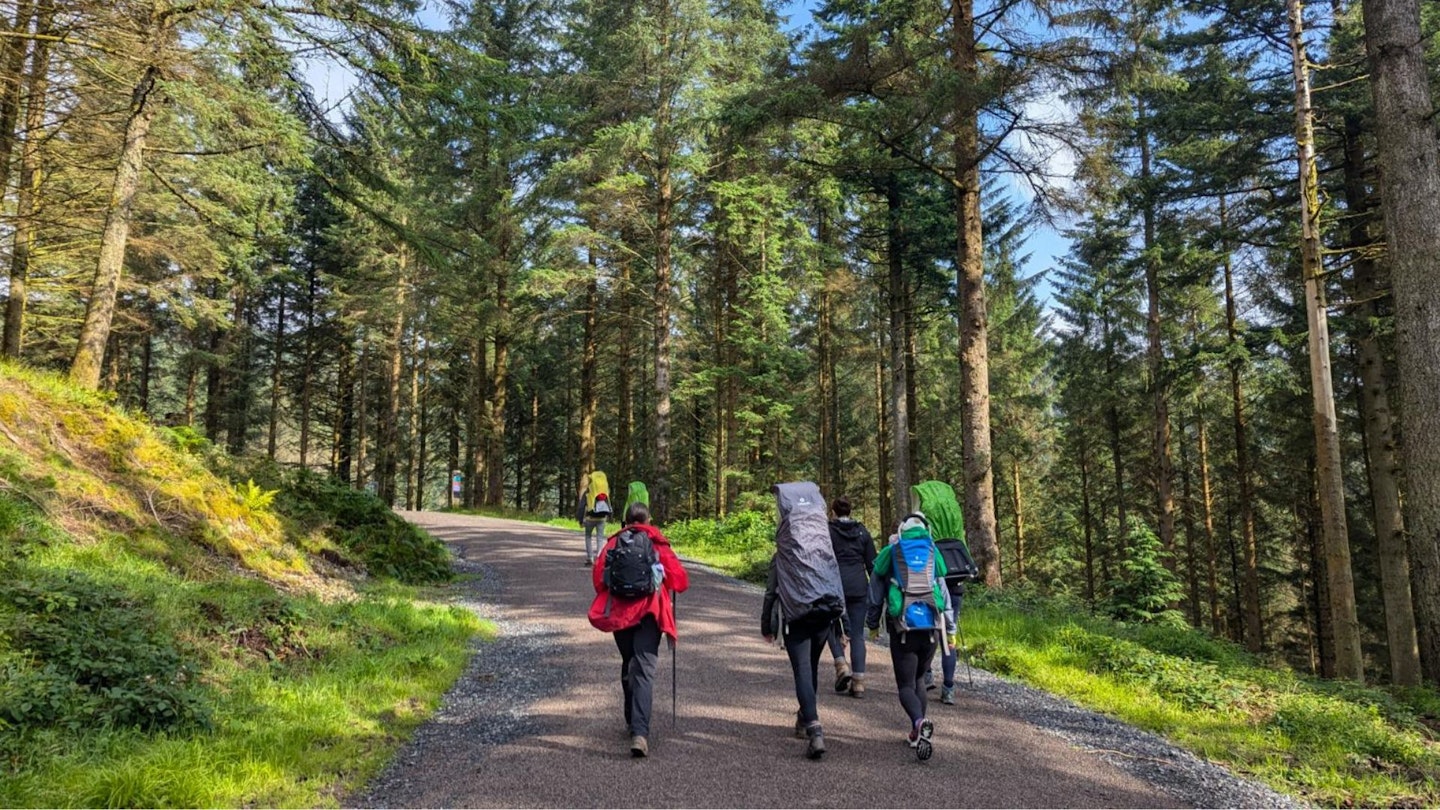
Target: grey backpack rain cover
point(807, 576)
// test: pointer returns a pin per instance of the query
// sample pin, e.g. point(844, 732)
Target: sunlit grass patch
point(1332, 744)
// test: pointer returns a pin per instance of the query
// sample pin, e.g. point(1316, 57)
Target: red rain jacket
point(625, 613)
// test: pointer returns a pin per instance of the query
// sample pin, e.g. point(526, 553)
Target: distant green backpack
point(637, 494)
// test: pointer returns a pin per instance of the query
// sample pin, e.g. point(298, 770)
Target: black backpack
point(958, 562)
point(628, 571)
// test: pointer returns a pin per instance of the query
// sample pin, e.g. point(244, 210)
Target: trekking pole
point(674, 669)
point(964, 653)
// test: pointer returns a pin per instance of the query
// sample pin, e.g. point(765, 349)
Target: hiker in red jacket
point(635, 576)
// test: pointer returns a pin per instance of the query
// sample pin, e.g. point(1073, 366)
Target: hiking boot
point(947, 695)
point(842, 675)
point(815, 749)
point(800, 725)
point(857, 686)
point(919, 738)
point(639, 748)
point(929, 680)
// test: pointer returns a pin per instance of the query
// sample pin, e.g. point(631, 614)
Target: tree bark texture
point(1331, 487)
point(100, 311)
point(980, 529)
point(1409, 157)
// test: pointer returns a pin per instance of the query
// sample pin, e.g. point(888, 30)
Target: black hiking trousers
point(804, 643)
point(639, 653)
point(911, 654)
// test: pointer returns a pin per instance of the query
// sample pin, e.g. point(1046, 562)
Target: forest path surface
point(563, 743)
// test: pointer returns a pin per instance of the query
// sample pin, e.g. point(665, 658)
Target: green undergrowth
point(170, 636)
point(1334, 744)
point(740, 544)
point(511, 513)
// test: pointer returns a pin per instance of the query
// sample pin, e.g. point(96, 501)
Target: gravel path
point(535, 721)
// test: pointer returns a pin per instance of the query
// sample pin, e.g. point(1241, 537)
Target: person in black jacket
point(855, 552)
point(804, 641)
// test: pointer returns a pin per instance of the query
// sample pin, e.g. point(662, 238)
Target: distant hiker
point(803, 598)
point(635, 577)
point(592, 510)
point(637, 493)
point(908, 586)
point(855, 553)
point(941, 508)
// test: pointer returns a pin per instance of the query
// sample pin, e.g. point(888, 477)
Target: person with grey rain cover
point(803, 598)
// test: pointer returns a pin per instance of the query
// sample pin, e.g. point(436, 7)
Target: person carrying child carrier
point(937, 501)
point(592, 510)
point(635, 576)
point(803, 598)
point(855, 554)
point(908, 586)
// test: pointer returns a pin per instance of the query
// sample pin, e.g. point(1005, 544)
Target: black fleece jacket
point(855, 551)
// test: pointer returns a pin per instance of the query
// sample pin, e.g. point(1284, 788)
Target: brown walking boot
point(842, 675)
point(857, 686)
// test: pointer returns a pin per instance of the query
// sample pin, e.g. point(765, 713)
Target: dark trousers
point(804, 644)
point(911, 654)
point(639, 652)
point(855, 627)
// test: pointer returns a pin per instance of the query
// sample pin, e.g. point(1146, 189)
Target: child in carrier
point(635, 575)
point(908, 587)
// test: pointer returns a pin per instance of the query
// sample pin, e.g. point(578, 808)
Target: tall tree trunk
point(27, 198)
point(277, 359)
point(882, 430)
point(387, 446)
point(1187, 517)
point(100, 310)
point(1335, 536)
point(1208, 522)
point(362, 414)
point(899, 411)
point(1155, 357)
point(12, 67)
point(980, 530)
point(1381, 446)
point(1410, 195)
point(625, 385)
point(1019, 520)
point(588, 354)
point(307, 370)
point(1088, 519)
point(499, 390)
point(1254, 630)
point(664, 205)
point(344, 414)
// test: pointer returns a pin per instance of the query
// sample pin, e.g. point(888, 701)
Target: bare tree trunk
point(1335, 536)
point(362, 414)
point(588, 355)
point(12, 66)
point(980, 529)
point(100, 311)
point(899, 410)
point(1208, 515)
point(1155, 359)
point(499, 389)
point(342, 454)
point(1019, 520)
point(625, 394)
point(27, 198)
point(1410, 194)
point(1086, 516)
point(1187, 517)
point(664, 203)
point(882, 429)
point(278, 358)
point(1381, 445)
point(1254, 630)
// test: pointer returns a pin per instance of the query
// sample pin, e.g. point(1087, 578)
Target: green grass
point(1336, 745)
point(300, 711)
point(169, 637)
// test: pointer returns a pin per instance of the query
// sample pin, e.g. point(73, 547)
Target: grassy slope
point(294, 684)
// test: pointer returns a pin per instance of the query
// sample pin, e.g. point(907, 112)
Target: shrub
point(358, 521)
point(746, 539)
point(84, 653)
